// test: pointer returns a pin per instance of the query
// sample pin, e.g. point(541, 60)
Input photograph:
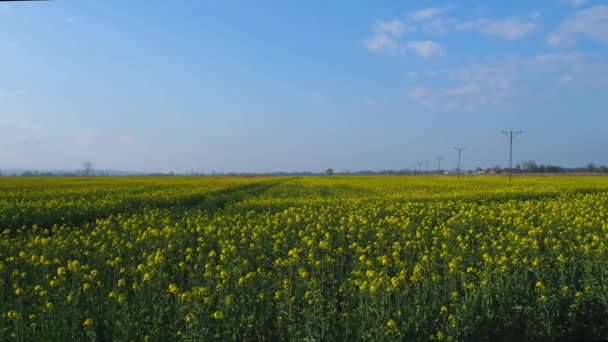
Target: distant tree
point(529, 166)
point(591, 167)
point(478, 169)
point(329, 171)
point(87, 168)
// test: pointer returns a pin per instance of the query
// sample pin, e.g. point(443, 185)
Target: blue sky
point(286, 86)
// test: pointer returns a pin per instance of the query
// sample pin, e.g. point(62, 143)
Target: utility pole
point(427, 166)
point(439, 164)
point(511, 134)
point(459, 149)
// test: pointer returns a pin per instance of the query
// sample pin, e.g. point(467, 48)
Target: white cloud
point(425, 48)
point(508, 28)
point(385, 34)
point(380, 42)
point(591, 23)
point(427, 13)
point(561, 40)
point(585, 75)
point(393, 27)
point(431, 20)
point(511, 81)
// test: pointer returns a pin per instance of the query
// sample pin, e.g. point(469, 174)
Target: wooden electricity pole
point(511, 134)
point(459, 149)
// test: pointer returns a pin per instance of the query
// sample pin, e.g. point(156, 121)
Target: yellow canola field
point(310, 258)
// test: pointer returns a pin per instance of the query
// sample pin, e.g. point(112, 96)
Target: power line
point(459, 149)
point(511, 134)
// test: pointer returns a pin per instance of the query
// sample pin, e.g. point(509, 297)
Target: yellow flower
point(87, 322)
point(540, 285)
point(173, 289)
point(391, 324)
point(323, 245)
point(61, 271)
point(74, 265)
point(190, 317)
point(453, 321)
point(218, 315)
point(12, 314)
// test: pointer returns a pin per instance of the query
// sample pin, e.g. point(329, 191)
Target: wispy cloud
point(380, 42)
point(428, 13)
point(591, 23)
point(388, 34)
point(508, 28)
point(507, 81)
point(392, 27)
point(431, 20)
point(385, 35)
point(560, 39)
point(425, 48)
